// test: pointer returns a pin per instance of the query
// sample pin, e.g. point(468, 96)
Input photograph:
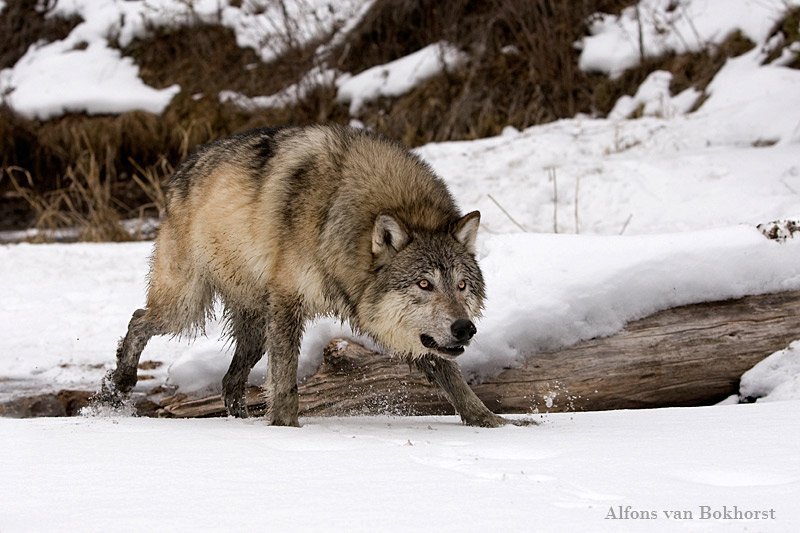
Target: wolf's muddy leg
point(284, 331)
point(248, 329)
point(447, 376)
point(122, 379)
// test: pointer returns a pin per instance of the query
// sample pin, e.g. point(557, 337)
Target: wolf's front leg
point(284, 332)
point(447, 376)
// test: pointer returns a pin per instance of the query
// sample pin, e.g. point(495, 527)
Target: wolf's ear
point(466, 230)
point(388, 238)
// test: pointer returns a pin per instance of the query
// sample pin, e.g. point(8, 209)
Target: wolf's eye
point(462, 285)
point(425, 285)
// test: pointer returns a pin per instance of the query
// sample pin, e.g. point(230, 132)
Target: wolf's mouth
point(428, 342)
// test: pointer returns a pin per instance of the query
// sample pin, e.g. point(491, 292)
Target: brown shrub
point(789, 30)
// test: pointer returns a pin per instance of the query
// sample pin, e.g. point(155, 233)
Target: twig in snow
point(520, 226)
point(625, 226)
point(551, 171)
point(577, 193)
point(641, 35)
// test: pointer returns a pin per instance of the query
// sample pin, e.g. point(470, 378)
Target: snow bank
point(775, 378)
point(748, 101)
point(549, 291)
point(653, 99)
point(638, 176)
point(398, 77)
point(316, 77)
point(270, 28)
point(57, 78)
point(405, 474)
point(669, 26)
point(748, 96)
point(82, 73)
point(545, 291)
point(390, 80)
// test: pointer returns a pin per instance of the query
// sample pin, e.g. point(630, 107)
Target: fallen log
point(685, 356)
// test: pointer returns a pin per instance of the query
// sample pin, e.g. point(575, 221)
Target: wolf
point(285, 224)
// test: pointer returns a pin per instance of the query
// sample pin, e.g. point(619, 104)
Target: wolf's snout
point(463, 330)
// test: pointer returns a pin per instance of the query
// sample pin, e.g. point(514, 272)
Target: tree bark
point(685, 356)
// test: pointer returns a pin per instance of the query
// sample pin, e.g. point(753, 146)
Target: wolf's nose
point(463, 330)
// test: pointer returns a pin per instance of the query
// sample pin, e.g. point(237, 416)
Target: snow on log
point(685, 356)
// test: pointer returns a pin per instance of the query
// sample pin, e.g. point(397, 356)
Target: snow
point(316, 77)
point(390, 80)
point(593, 175)
point(56, 78)
point(399, 474)
point(653, 99)
point(551, 291)
point(655, 174)
point(398, 77)
point(745, 96)
point(270, 28)
point(775, 378)
point(670, 26)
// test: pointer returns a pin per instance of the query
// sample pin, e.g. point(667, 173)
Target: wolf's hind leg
point(284, 332)
point(447, 376)
point(122, 379)
point(248, 329)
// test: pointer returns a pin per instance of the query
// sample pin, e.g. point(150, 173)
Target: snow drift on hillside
point(59, 78)
point(85, 73)
point(397, 77)
point(602, 176)
point(667, 26)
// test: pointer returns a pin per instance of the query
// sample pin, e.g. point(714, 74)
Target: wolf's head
point(427, 288)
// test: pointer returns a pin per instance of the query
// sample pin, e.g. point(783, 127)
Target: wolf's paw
point(487, 420)
point(109, 401)
point(109, 394)
point(284, 421)
point(523, 422)
point(236, 406)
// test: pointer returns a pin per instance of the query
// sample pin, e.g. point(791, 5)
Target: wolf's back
point(295, 207)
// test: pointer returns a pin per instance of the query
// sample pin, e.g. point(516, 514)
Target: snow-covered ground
point(599, 471)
